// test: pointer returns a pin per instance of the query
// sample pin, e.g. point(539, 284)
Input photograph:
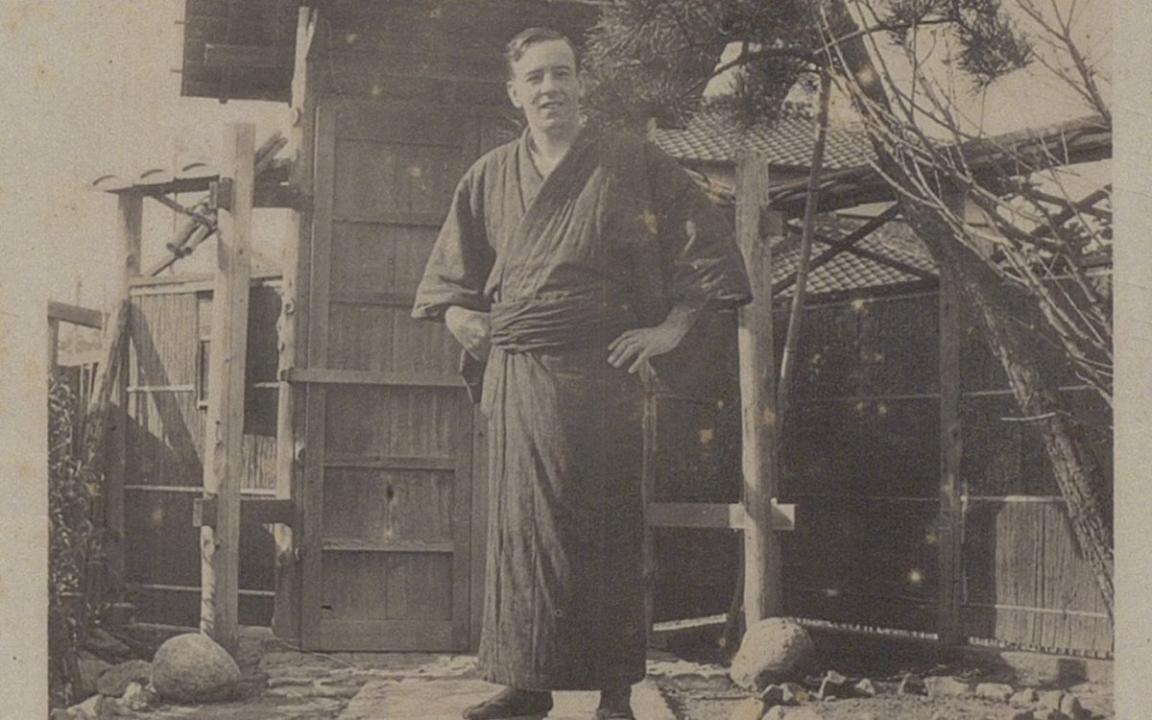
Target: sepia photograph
point(574, 359)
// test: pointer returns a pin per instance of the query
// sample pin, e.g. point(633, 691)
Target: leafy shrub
point(73, 493)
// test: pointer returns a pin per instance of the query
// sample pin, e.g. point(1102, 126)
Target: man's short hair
point(525, 39)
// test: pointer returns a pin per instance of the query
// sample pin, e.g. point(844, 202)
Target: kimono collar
point(528, 147)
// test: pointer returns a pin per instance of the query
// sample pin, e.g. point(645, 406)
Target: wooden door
point(387, 497)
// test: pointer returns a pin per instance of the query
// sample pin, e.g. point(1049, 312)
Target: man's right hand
point(471, 329)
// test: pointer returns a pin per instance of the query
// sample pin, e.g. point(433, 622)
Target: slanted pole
point(950, 522)
point(223, 461)
point(762, 566)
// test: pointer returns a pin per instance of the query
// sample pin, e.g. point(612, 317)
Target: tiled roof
point(847, 272)
point(713, 137)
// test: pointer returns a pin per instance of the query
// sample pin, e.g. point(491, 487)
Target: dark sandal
point(512, 704)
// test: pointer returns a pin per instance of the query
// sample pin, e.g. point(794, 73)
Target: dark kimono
point(611, 240)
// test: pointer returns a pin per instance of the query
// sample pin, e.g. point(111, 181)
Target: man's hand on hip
point(636, 347)
point(471, 329)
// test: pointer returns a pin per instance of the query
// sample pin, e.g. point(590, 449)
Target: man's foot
point(512, 704)
point(615, 704)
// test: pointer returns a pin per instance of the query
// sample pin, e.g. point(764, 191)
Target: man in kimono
point(570, 258)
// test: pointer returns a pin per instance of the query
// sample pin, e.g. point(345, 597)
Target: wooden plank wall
point(1024, 582)
point(862, 464)
point(164, 459)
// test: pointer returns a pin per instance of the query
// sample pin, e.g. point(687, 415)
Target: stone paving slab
point(446, 699)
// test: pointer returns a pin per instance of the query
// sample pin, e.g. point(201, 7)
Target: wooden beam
point(224, 447)
point(951, 517)
point(762, 564)
point(337, 376)
point(840, 245)
point(254, 511)
point(893, 263)
point(85, 317)
point(722, 516)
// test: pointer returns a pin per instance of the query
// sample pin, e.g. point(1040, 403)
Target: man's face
point(547, 87)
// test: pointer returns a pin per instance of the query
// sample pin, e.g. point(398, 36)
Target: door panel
point(388, 463)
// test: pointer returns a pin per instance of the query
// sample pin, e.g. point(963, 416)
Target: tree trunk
point(1079, 479)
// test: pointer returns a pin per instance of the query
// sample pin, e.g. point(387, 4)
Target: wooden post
point(223, 461)
point(130, 222)
point(53, 346)
point(286, 614)
point(950, 521)
point(762, 568)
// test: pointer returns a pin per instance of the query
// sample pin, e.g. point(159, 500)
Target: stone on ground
point(87, 710)
point(90, 669)
point(115, 680)
point(1023, 715)
point(864, 688)
point(997, 692)
point(946, 686)
point(1049, 714)
point(1070, 706)
point(1050, 699)
point(1025, 698)
point(912, 685)
point(192, 668)
point(137, 697)
point(749, 709)
point(772, 650)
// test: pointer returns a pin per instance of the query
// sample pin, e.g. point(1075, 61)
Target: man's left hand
point(636, 347)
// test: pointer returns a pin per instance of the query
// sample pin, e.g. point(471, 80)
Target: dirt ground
point(283, 683)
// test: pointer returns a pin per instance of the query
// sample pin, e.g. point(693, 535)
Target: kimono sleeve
point(702, 262)
point(461, 257)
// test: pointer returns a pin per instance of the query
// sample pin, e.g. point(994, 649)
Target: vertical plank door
point(389, 429)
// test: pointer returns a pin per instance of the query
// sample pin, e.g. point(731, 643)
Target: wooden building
point(356, 419)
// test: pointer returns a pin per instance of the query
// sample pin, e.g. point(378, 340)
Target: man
point(570, 258)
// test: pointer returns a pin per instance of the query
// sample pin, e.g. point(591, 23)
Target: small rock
point(772, 650)
point(193, 668)
point(864, 688)
point(115, 680)
point(87, 710)
point(772, 696)
point(90, 669)
point(59, 714)
point(1023, 715)
point(1023, 698)
point(832, 686)
point(912, 685)
point(997, 692)
point(1050, 700)
point(1070, 706)
point(794, 694)
point(774, 713)
point(1049, 714)
point(748, 709)
point(137, 697)
point(946, 686)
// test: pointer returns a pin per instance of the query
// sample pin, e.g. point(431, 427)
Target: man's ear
point(513, 96)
